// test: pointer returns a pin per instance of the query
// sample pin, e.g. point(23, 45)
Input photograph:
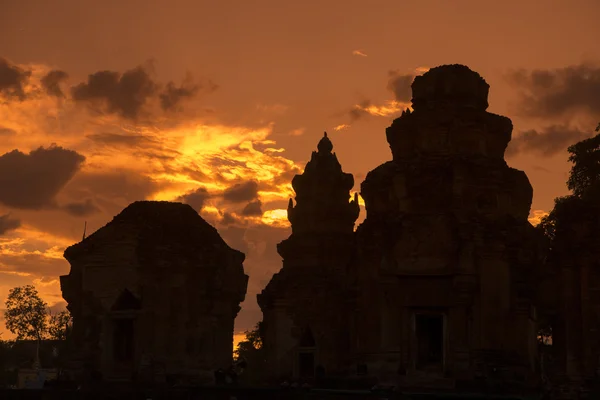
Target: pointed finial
point(325, 145)
point(84, 229)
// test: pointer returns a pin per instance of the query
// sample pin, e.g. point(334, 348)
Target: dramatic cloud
point(51, 82)
point(400, 85)
point(172, 95)
point(124, 94)
point(31, 181)
point(12, 80)
point(81, 209)
point(253, 208)
point(341, 127)
point(196, 199)
point(234, 174)
point(7, 223)
point(241, 192)
point(546, 142)
point(553, 93)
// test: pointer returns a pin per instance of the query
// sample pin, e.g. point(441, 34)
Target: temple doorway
point(123, 340)
point(429, 332)
point(306, 359)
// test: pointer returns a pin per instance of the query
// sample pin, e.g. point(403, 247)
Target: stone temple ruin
point(154, 292)
point(443, 286)
point(436, 286)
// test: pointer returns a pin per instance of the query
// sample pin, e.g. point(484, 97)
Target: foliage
point(585, 156)
point(252, 352)
point(584, 182)
point(26, 313)
point(59, 325)
point(251, 344)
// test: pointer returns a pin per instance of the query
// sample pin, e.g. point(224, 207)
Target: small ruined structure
point(436, 286)
point(304, 328)
point(153, 293)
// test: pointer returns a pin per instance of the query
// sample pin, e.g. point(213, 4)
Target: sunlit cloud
point(158, 157)
point(536, 217)
point(341, 127)
point(422, 70)
point(359, 53)
point(277, 218)
point(390, 107)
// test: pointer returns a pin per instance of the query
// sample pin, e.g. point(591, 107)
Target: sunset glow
point(102, 105)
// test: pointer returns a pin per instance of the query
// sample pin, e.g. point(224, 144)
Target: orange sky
point(253, 85)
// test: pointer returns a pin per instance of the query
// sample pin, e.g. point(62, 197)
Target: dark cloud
point(400, 85)
point(8, 223)
point(34, 263)
point(81, 209)
point(120, 140)
point(241, 192)
point(124, 94)
point(122, 186)
point(228, 218)
point(171, 95)
point(31, 181)
point(51, 82)
point(558, 92)
point(547, 142)
point(196, 198)
point(13, 80)
point(6, 131)
point(252, 209)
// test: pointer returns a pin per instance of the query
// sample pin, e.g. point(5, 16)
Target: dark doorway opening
point(123, 340)
point(430, 341)
point(306, 364)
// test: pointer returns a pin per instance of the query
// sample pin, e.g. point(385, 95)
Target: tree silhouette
point(26, 313)
point(252, 353)
point(584, 182)
point(59, 325)
point(251, 344)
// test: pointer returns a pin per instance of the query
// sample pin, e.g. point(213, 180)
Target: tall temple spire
point(323, 194)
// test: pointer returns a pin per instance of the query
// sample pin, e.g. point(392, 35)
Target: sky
point(219, 104)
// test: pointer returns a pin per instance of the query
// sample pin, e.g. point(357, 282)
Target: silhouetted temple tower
point(322, 209)
point(305, 298)
point(322, 194)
